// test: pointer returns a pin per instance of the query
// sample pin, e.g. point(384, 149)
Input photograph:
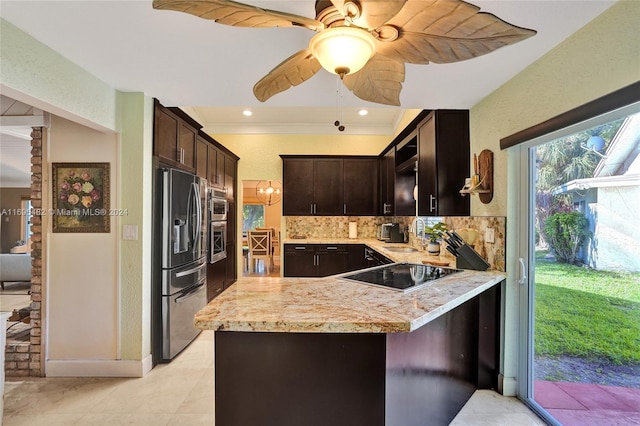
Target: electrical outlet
point(340, 225)
point(490, 235)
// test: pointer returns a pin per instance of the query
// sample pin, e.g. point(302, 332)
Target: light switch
point(490, 235)
point(130, 232)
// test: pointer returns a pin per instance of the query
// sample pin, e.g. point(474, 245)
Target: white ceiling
point(210, 69)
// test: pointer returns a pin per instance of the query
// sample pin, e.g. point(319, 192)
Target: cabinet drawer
point(336, 248)
point(298, 248)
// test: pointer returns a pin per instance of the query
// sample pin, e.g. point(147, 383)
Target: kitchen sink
point(401, 249)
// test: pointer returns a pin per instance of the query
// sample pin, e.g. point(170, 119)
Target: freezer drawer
point(178, 311)
point(179, 279)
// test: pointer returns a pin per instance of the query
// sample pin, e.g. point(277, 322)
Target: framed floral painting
point(80, 197)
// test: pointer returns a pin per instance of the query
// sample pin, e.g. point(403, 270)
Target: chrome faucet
point(416, 230)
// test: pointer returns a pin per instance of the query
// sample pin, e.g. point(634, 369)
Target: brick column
point(35, 358)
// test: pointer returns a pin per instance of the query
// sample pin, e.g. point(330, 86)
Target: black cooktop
point(400, 276)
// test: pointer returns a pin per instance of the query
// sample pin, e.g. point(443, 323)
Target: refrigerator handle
point(198, 204)
point(189, 294)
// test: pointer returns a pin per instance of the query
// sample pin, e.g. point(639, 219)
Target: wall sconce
point(481, 182)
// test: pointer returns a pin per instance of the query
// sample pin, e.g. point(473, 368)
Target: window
point(252, 217)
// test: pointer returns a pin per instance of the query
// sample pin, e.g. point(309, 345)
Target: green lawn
point(586, 313)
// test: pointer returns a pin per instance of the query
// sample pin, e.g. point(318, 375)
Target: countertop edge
point(337, 326)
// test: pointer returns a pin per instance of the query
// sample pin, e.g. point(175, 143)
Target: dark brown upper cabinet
point(360, 183)
point(202, 147)
point(175, 138)
point(387, 164)
point(329, 186)
point(443, 163)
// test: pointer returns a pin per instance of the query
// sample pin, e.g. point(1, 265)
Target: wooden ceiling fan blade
point(416, 48)
point(238, 14)
point(380, 81)
point(373, 13)
point(294, 70)
point(445, 31)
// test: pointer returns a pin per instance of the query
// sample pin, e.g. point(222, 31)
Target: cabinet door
point(453, 161)
point(165, 136)
point(357, 258)
point(297, 187)
point(187, 147)
point(443, 163)
point(300, 260)
point(360, 183)
point(331, 262)
point(216, 273)
point(220, 163)
point(230, 176)
point(212, 164)
point(202, 148)
point(427, 168)
point(327, 187)
point(230, 266)
point(387, 183)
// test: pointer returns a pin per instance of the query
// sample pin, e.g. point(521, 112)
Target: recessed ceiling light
point(363, 112)
point(247, 113)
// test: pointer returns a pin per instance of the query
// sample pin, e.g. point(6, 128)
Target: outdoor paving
point(584, 404)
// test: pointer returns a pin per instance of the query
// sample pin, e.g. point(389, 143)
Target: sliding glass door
point(576, 216)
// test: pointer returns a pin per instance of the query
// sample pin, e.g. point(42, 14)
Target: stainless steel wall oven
point(218, 208)
point(217, 241)
point(218, 205)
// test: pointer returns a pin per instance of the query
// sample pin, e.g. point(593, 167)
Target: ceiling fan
point(366, 42)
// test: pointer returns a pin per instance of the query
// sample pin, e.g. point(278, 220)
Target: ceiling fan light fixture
point(342, 50)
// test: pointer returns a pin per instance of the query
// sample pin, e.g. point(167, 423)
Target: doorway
point(261, 209)
point(580, 277)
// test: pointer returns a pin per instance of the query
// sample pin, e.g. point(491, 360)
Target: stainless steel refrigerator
point(180, 259)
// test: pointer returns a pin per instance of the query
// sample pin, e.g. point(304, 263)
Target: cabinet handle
point(315, 260)
point(432, 203)
point(300, 248)
point(311, 205)
point(332, 248)
point(344, 209)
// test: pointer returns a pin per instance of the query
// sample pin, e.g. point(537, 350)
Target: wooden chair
point(260, 248)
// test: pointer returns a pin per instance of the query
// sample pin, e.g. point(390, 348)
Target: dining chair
point(260, 249)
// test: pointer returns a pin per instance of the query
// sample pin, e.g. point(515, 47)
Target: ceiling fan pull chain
point(339, 93)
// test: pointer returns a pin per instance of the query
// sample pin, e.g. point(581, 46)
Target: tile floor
point(179, 393)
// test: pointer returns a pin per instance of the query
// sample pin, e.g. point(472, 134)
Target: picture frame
point(81, 197)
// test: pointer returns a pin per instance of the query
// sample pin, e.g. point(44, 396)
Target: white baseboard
point(98, 368)
point(507, 386)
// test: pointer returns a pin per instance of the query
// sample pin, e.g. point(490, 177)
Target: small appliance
point(384, 231)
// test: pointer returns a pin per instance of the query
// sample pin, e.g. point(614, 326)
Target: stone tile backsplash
point(337, 227)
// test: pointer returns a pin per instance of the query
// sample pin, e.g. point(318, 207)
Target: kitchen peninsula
point(318, 351)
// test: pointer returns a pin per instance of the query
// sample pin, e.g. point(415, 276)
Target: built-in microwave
point(218, 206)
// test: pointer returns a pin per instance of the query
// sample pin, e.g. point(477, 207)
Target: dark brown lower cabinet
point(397, 379)
point(216, 273)
point(322, 260)
point(315, 260)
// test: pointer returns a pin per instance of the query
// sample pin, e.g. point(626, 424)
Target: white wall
point(82, 267)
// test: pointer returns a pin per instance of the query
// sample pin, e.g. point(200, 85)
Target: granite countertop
point(381, 247)
point(332, 305)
